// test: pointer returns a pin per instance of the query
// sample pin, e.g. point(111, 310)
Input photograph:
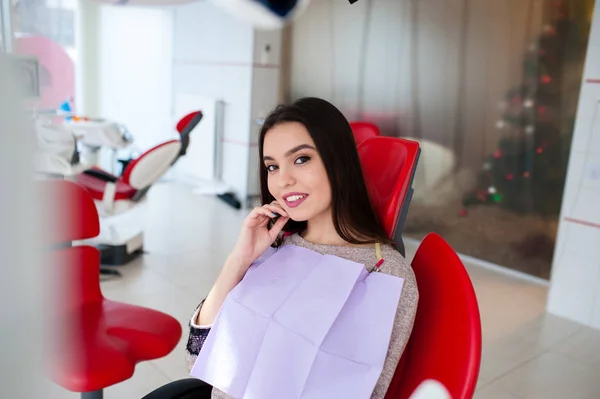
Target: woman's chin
point(298, 216)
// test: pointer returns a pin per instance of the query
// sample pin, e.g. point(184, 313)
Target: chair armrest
point(110, 189)
point(124, 163)
point(108, 198)
point(100, 174)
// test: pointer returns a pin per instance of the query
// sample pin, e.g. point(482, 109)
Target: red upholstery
point(131, 165)
point(445, 344)
point(185, 127)
point(96, 186)
point(363, 130)
point(81, 222)
point(388, 164)
point(183, 122)
point(99, 341)
point(125, 189)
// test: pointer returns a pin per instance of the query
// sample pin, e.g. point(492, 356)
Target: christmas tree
point(527, 171)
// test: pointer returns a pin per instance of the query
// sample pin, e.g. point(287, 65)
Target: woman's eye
point(301, 160)
point(271, 168)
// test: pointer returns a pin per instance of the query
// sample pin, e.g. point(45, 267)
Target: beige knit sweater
point(393, 264)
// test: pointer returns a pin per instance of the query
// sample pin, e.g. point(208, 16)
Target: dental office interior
point(153, 107)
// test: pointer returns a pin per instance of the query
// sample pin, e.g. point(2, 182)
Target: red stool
point(98, 341)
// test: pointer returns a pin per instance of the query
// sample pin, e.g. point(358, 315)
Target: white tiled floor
point(527, 353)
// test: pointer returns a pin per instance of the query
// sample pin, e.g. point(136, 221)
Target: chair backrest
point(185, 127)
point(363, 130)
point(445, 343)
point(72, 216)
point(151, 165)
point(71, 212)
point(389, 165)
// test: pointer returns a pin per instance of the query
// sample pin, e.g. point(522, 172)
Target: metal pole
point(7, 29)
point(92, 395)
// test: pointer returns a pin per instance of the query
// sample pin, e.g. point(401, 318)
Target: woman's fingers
point(259, 216)
point(276, 209)
point(276, 229)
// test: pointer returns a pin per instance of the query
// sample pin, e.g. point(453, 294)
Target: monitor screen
point(27, 72)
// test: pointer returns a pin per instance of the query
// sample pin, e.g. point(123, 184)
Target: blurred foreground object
point(264, 14)
point(21, 288)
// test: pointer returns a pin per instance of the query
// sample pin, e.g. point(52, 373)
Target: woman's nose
point(286, 178)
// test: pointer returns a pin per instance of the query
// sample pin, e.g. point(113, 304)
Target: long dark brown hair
point(353, 215)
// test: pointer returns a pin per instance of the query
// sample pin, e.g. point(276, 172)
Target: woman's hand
point(255, 236)
point(254, 239)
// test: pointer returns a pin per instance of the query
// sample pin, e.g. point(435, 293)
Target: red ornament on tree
point(482, 195)
point(510, 176)
point(546, 79)
point(550, 30)
point(498, 154)
point(462, 212)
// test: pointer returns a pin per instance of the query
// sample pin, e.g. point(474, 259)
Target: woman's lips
point(294, 199)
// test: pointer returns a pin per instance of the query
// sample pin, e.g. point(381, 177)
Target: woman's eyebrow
point(292, 151)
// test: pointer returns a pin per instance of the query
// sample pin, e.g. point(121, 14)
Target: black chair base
point(188, 388)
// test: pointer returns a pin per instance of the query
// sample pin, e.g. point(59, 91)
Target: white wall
point(266, 73)
point(219, 57)
point(135, 79)
point(575, 282)
point(212, 57)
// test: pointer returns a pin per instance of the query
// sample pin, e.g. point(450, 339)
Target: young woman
point(313, 196)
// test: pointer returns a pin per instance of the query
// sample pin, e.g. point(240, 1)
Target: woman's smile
point(294, 199)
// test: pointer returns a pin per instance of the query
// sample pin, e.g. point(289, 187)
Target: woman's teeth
point(295, 198)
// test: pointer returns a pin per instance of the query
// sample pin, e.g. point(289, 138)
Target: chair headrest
point(388, 164)
point(189, 122)
point(151, 165)
point(363, 130)
point(185, 127)
point(70, 212)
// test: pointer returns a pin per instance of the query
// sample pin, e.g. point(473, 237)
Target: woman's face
point(295, 172)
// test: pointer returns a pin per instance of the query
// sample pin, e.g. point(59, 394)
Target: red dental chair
point(363, 130)
point(184, 128)
point(96, 342)
point(120, 193)
point(121, 243)
point(445, 344)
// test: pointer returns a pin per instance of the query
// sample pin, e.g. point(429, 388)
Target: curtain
point(453, 74)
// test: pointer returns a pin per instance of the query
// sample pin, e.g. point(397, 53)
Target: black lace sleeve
point(197, 336)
